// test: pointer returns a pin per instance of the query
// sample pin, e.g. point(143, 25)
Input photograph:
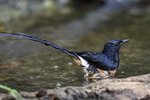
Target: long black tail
point(45, 42)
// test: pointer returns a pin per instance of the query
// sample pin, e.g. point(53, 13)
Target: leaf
point(14, 93)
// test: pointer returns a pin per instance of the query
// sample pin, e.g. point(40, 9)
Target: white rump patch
point(84, 62)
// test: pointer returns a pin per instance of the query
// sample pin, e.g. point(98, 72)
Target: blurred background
point(81, 25)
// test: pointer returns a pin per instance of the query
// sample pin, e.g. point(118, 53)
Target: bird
point(96, 65)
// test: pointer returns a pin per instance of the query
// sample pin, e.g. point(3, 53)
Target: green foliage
point(14, 93)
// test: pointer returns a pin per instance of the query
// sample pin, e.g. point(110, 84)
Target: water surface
point(26, 65)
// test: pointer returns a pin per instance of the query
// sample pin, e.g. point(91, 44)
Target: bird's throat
point(111, 53)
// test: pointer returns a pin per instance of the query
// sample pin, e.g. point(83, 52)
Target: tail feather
point(36, 39)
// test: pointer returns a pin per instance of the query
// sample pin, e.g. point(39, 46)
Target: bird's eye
point(116, 43)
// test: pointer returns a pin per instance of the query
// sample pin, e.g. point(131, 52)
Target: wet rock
point(109, 89)
point(132, 88)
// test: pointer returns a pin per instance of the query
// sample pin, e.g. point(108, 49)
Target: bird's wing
point(98, 60)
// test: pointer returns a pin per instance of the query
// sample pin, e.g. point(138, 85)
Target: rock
point(41, 93)
point(109, 89)
point(132, 88)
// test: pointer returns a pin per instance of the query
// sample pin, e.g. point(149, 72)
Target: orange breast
point(77, 61)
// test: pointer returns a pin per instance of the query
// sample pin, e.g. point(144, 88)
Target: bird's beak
point(125, 40)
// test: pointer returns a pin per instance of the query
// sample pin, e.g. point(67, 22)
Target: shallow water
point(27, 65)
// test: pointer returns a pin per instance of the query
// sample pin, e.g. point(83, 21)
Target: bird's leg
point(113, 73)
point(103, 73)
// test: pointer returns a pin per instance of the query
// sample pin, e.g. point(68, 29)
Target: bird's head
point(114, 45)
point(117, 43)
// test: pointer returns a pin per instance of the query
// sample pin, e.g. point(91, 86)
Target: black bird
point(95, 64)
